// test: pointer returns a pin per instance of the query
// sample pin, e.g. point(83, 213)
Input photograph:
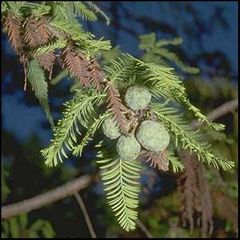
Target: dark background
point(210, 35)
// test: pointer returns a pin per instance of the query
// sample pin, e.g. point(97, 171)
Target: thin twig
point(85, 214)
point(144, 229)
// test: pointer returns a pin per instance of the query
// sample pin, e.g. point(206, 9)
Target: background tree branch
point(83, 182)
point(49, 197)
point(218, 112)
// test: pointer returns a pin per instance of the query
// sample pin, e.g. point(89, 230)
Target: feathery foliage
point(88, 72)
point(165, 83)
point(37, 32)
point(12, 6)
point(78, 113)
point(177, 166)
point(80, 9)
point(65, 23)
point(187, 138)
point(119, 70)
point(42, 33)
point(18, 226)
point(156, 51)
point(121, 183)
point(58, 44)
point(77, 150)
point(39, 85)
point(127, 70)
point(12, 25)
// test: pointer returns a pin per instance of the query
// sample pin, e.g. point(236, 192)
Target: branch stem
point(85, 214)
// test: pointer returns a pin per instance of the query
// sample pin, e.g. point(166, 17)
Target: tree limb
point(40, 200)
point(83, 182)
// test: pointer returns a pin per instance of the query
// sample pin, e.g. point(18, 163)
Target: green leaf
point(147, 41)
point(164, 42)
point(121, 183)
point(41, 10)
point(15, 6)
point(156, 51)
point(78, 111)
point(42, 226)
point(177, 166)
point(14, 227)
point(164, 53)
point(36, 77)
point(77, 150)
point(83, 40)
point(188, 138)
point(80, 9)
point(23, 219)
point(59, 44)
point(163, 82)
point(119, 70)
